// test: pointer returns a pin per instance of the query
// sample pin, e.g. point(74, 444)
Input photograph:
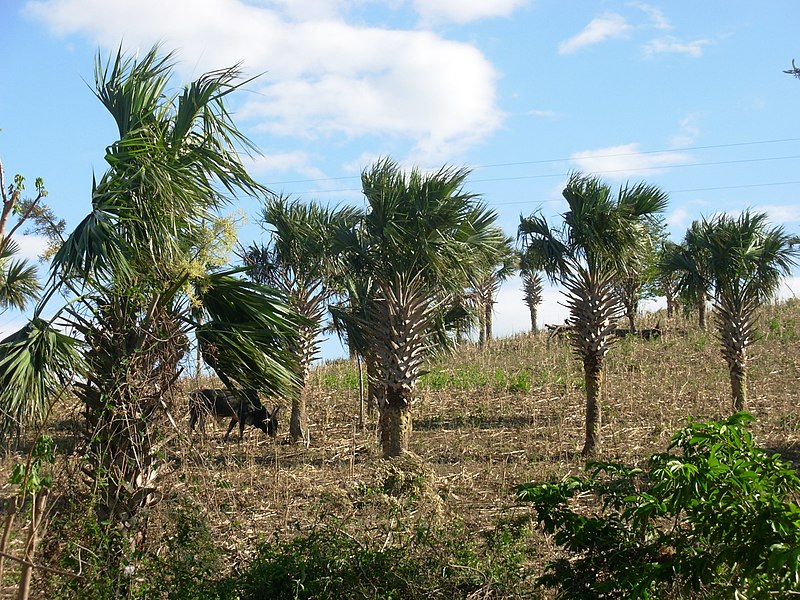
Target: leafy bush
point(714, 517)
point(428, 563)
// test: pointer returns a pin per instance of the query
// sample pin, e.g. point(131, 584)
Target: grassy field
point(485, 421)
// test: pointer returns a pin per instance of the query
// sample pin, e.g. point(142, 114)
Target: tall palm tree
point(140, 283)
point(299, 261)
point(586, 256)
point(746, 260)
point(417, 246)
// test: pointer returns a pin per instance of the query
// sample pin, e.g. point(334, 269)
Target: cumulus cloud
point(464, 11)
point(609, 26)
point(626, 160)
point(324, 76)
point(672, 45)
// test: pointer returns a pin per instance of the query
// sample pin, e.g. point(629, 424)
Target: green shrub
point(427, 563)
point(712, 517)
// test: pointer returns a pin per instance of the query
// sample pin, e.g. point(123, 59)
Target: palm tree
point(499, 264)
point(667, 280)
point(141, 287)
point(415, 251)
point(636, 281)
point(299, 261)
point(690, 261)
point(586, 256)
point(532, 284)
point(746, 260)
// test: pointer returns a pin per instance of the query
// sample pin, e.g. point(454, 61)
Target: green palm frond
point(19, 284)
point(36, 363)
point(247, 333)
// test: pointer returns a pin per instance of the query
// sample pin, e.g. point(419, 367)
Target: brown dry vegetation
point(484, 422)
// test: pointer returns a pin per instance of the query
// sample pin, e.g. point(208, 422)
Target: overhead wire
point(600, 172)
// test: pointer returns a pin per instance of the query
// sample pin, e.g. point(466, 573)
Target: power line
point(557, 160)
point(705, 189)
point(611, 171)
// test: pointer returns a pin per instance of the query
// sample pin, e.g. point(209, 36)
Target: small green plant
point(714, 517)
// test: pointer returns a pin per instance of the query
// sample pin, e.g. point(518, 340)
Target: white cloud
point(779, 214)
point(621, 162)
point(657, 18)
point(464, 11)
point(689, 132)
point(679, 218)
point(297, 161)
point(672, 45)
point(598, 30)
point(324, 76)
point(31, 247)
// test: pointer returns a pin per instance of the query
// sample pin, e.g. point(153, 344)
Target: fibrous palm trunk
point(309, 302)
point(400, 320)
point(735, 321)
point(594, 306)
point(701, 311)
point(298, 422)
point(593, 379)
point(133, 368)
point(395, 423)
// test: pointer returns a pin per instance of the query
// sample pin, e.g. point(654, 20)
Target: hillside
point(484, 422)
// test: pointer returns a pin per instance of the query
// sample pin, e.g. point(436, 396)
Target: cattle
point(243, 407)
point(645, 334)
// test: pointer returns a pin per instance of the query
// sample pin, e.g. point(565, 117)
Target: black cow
point(242, 407)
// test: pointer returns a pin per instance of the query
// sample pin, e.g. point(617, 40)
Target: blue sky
point(686, 95)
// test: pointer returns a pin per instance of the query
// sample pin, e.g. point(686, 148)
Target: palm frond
point(36, 363)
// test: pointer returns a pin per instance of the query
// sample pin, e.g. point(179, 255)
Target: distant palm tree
point(587, 255)
point(666, 279)
point(690, 261)
point(745, 262)
point(298, 259)
point(499, 263)
point(415, 251)
point(532, 285)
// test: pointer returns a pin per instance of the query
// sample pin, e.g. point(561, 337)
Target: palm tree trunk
point(670, 303)
point(701, 310)
point(631, 314)
point(738, 388)
point(488, 320)
point(593, 378)
point(298, 422)
point(481, 328)
point(534, 327)
point(395, 424)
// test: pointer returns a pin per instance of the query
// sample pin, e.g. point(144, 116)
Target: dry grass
point(484, 422)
